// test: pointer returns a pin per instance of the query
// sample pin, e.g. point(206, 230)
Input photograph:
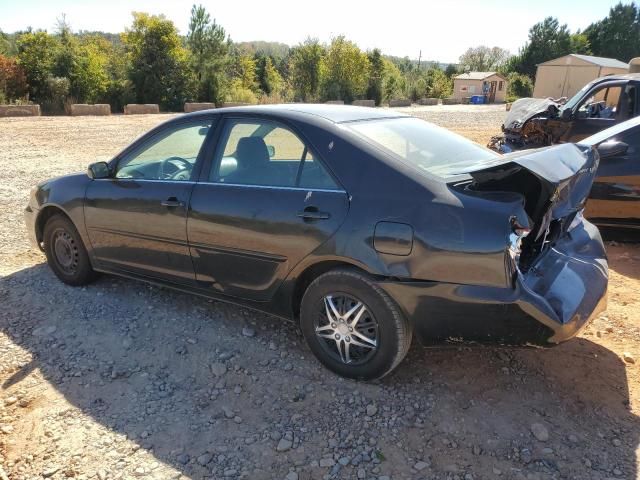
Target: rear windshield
point(425, 146)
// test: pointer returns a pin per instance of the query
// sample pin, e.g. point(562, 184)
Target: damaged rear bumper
point(550, 303)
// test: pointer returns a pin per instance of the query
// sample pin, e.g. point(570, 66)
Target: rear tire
point(352, 326)
point(66, 254)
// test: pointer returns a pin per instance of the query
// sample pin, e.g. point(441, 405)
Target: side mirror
point(566, 114)
point(98, 170)
point(272, 150)
point(612, 148)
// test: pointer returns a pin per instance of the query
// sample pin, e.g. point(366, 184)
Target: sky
point(441, 29)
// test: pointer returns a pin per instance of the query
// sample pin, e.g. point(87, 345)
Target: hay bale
point(364, 103)
point(234, 104)
point(140, 109)
point(78, 109)
point(19, 110)
point(451, 101)
point(195, 107)
point(400, 102)
point(429, 101)
point(334, 102)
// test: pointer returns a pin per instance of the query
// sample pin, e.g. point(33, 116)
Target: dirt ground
point(122, 380)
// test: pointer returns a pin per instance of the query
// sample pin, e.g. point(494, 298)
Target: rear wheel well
point(310, 274)
point(44, 216)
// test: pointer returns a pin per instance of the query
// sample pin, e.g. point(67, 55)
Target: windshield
point(574, 100)
point(425, 146)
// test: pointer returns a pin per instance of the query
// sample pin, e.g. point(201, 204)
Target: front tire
point(352, 326)
point(66, 254)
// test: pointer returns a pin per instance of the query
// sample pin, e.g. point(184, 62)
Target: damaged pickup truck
point(539, 122)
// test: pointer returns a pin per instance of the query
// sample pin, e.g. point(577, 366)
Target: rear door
point(266, 203)
point(615, 195)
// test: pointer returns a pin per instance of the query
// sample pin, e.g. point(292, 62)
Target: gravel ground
point(123, 380)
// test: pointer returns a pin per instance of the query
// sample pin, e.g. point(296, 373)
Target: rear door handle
point(312, 213)
point(172, 202)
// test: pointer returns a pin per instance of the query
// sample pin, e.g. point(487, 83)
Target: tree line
point(151, 63)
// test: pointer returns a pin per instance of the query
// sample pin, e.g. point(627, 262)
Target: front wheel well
point(310, 274)
point(43, 217)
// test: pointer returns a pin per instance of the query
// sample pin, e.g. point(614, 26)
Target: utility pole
point(419, 58)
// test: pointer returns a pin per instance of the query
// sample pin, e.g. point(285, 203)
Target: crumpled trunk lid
point(555, 183)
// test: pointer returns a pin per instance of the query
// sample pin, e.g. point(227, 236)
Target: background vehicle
point(361, 224)
point(600, 104)
point(614, 200)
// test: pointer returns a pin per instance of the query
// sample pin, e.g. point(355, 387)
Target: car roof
point(622, 76)
point(332, 113)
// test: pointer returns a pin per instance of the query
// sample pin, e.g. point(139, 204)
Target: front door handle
point(172, 202)
point(312, 213)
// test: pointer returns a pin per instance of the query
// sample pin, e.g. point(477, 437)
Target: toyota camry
point(365, 226)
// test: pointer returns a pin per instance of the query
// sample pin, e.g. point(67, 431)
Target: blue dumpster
point(477, 99)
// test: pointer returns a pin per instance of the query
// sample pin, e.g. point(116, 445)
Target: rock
point(617, 472)
point(248, 332)
point(218, 369)
point(573, 438)
point(183, 459)
point(627, 357)
point(420, 466)
point(230, 472)
point(540, 432)
point(362, 473)
point(616, 442)
point(327, 462)
point(547, 451)
point(372, 409)
point(204, 459)
point(228, 412)
point(291, 476)
point(10, 400)
point(237, 419)
point(44, 330)
point(6, 429)
point(344, 461)
point(284, 445)
point(49, 472)
point(497, 471)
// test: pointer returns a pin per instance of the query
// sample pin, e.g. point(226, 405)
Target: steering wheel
point(181, 167)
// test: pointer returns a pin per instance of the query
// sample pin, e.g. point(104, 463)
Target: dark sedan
point(363, 225)
point(615, 196)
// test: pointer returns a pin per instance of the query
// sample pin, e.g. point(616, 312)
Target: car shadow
point(180, 379)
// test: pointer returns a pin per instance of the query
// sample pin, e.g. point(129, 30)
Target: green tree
point(440, 85)
point(209, 46)
point(304, 69)
point(394, 82)
point(376, 76)
point(37, 53)
point(269, 79)
point(158, 68)
point(4, 43)
point(580, 44)
point(547, 40)
point(344, 71)
point(519, 86)
point(483, 59)
point(451, 70)
point(618, 34)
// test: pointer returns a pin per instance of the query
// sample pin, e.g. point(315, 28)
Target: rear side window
point(266, 153)
point(422, 145)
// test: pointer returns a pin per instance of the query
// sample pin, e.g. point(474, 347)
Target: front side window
point(170, 155)
point(266, 153)
point(602, 104)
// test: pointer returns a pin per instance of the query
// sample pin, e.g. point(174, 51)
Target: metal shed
point(564, 76)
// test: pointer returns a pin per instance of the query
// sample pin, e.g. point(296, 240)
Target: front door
point(615, 195)
point(602, 108)
point(137, 220)
point(266, 204)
